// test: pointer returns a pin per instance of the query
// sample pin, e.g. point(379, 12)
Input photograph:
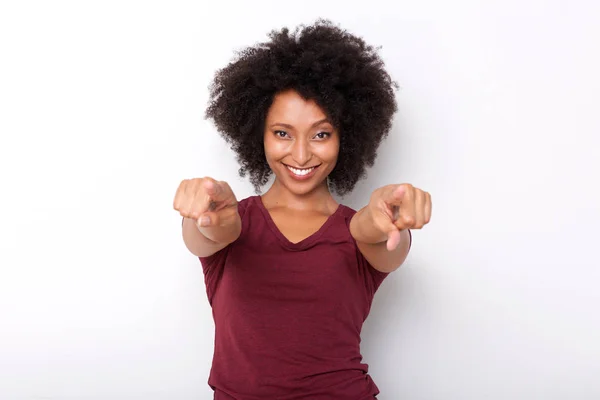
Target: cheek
point(329, 153)
point(268, 146)
point(274, 149)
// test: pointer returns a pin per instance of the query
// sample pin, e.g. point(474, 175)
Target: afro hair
point(322, 62)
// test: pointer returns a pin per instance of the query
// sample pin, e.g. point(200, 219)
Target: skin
point(298, 134)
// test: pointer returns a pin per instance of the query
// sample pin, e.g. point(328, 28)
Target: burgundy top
point(288, 316)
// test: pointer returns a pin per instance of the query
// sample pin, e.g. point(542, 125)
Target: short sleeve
point(373, 277)
point(219, 257)
point(376, 277)
point(213, 265)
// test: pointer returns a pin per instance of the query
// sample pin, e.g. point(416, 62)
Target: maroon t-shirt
point(288, 316)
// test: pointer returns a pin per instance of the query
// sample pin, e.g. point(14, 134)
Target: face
point(301, 144)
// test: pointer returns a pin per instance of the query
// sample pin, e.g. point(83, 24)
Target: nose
point(301, 152)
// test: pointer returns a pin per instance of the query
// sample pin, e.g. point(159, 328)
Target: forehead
point(289, 105)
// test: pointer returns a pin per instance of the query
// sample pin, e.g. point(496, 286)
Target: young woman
point(291, 274)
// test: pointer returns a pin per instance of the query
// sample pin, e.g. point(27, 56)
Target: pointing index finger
point(213, 189)
point(217, 192)
point(395, 195)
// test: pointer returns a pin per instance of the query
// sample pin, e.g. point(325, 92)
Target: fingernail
point(204, 221)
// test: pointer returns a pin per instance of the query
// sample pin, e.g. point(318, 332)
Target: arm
point(381, 229)
point(204, 242)
point(372, 243)
point(210, 215)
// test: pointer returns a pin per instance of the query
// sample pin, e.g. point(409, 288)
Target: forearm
point(205, 241)
point(372, 242)
point(364, 230)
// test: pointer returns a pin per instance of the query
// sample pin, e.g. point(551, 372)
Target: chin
point(302, 191)
point(300, 187)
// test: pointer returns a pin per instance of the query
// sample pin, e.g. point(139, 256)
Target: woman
point(291, 274)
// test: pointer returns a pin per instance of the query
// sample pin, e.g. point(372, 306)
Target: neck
point(319, 199)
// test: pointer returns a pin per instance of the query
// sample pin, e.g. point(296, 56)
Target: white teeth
point(300, 172)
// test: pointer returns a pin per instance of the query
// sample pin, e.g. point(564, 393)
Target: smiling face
point(301, 144)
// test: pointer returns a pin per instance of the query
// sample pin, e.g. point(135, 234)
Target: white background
point(101, 117)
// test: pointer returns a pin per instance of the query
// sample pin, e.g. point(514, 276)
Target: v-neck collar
point(285, 242)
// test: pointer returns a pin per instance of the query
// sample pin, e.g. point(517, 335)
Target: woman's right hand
point(209, 202)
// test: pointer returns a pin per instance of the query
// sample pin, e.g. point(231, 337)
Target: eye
point(281, 134)
point(322, 135)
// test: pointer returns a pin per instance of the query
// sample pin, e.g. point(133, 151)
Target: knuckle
point(197, 181)
point(381, 225)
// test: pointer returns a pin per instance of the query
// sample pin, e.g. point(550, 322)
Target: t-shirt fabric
point(288, 316)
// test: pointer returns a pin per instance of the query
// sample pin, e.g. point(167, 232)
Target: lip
point(302, 177)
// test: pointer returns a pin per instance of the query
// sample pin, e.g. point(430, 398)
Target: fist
point(398, 207)
point(211, 203)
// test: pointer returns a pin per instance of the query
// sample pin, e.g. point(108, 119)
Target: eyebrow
point(324, 120)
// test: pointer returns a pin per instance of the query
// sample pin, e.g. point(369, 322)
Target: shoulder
point(247, 203)
point(245, 206)
point(347, 213)
point(373, 277)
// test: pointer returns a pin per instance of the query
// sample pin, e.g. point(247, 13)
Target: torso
point(296, 226)
point(289, 298)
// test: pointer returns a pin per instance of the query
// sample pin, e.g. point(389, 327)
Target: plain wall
point(101, 117)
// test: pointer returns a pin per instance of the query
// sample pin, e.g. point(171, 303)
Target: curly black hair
point(324, 63)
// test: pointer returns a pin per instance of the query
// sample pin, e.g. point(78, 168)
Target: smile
point(301, 172)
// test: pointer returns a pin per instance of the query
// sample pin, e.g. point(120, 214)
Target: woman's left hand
point(394, 208)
